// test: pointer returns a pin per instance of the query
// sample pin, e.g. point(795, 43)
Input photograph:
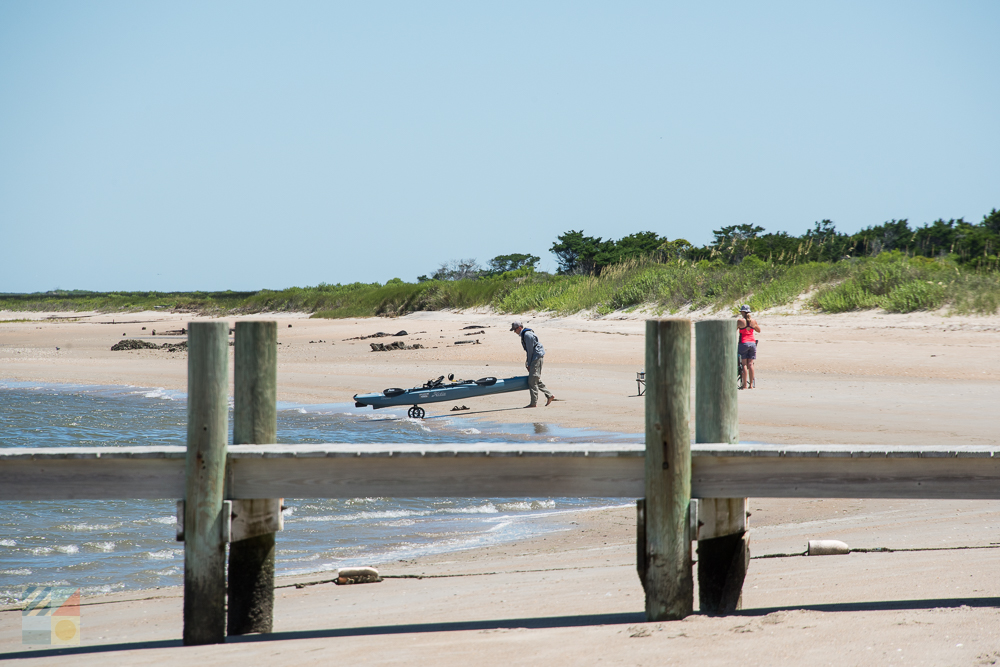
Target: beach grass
point(81, 300)
point(669, 287)
point(891, 281)
point(900, 284)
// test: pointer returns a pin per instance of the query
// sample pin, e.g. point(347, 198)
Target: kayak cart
point(438, 391)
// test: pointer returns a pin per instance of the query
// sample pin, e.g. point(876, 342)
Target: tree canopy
point(577, 253)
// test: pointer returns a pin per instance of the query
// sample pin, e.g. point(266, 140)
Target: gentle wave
point(389, 514)
point(487, 508)
point(86, 527)
point(162, 393)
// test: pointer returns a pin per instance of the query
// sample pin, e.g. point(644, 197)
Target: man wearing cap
point(748, 345)
point(535, 352)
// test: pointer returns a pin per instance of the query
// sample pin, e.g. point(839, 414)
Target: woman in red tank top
point(748, 346)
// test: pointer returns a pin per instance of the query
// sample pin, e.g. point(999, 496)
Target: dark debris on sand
point(131, 344)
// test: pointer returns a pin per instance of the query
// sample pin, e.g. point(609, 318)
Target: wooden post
point(716, 407)
point(205, 468)
point(251, 561)
point(668, 580)
point(723, 546)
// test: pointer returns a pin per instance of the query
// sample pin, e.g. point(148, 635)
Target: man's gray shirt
point(534, 349)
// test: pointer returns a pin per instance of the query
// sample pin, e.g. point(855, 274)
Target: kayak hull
point(447, 392)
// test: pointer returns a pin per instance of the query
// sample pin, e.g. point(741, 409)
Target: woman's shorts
point(747, 350)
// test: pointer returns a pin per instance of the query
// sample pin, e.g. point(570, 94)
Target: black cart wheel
point(416, 412)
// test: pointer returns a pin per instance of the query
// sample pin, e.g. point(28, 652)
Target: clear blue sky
point(243, 145)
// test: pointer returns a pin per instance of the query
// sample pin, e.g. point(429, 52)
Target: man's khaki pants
point(535, 381)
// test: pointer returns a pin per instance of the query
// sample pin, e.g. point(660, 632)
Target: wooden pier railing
point(506, 470)
point(665, 474)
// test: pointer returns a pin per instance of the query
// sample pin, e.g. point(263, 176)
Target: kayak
point(436, 391)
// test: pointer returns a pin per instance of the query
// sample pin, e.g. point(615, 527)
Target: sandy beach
point(573, 596)
point(851, 378)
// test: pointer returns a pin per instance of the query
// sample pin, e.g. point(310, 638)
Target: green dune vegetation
point(891, 266)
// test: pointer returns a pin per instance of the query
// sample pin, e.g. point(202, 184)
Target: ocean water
point(105, 546)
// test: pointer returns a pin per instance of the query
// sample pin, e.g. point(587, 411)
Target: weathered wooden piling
point(205, 467)
point(251, 560)
point(716, 407)
point(665, 561)
point(723, 547)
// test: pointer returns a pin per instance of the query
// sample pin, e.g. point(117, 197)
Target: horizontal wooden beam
point(832, 477)
point(505, 470)
point(969, 472)
point(331, 471)
point(844, 451)
point(104, 478)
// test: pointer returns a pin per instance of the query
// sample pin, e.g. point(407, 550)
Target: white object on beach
point(827, 548)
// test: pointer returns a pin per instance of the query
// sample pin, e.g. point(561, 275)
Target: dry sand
point(573, 597)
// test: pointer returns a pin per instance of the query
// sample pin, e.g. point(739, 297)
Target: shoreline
point(558, 521)
point(464, 422)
